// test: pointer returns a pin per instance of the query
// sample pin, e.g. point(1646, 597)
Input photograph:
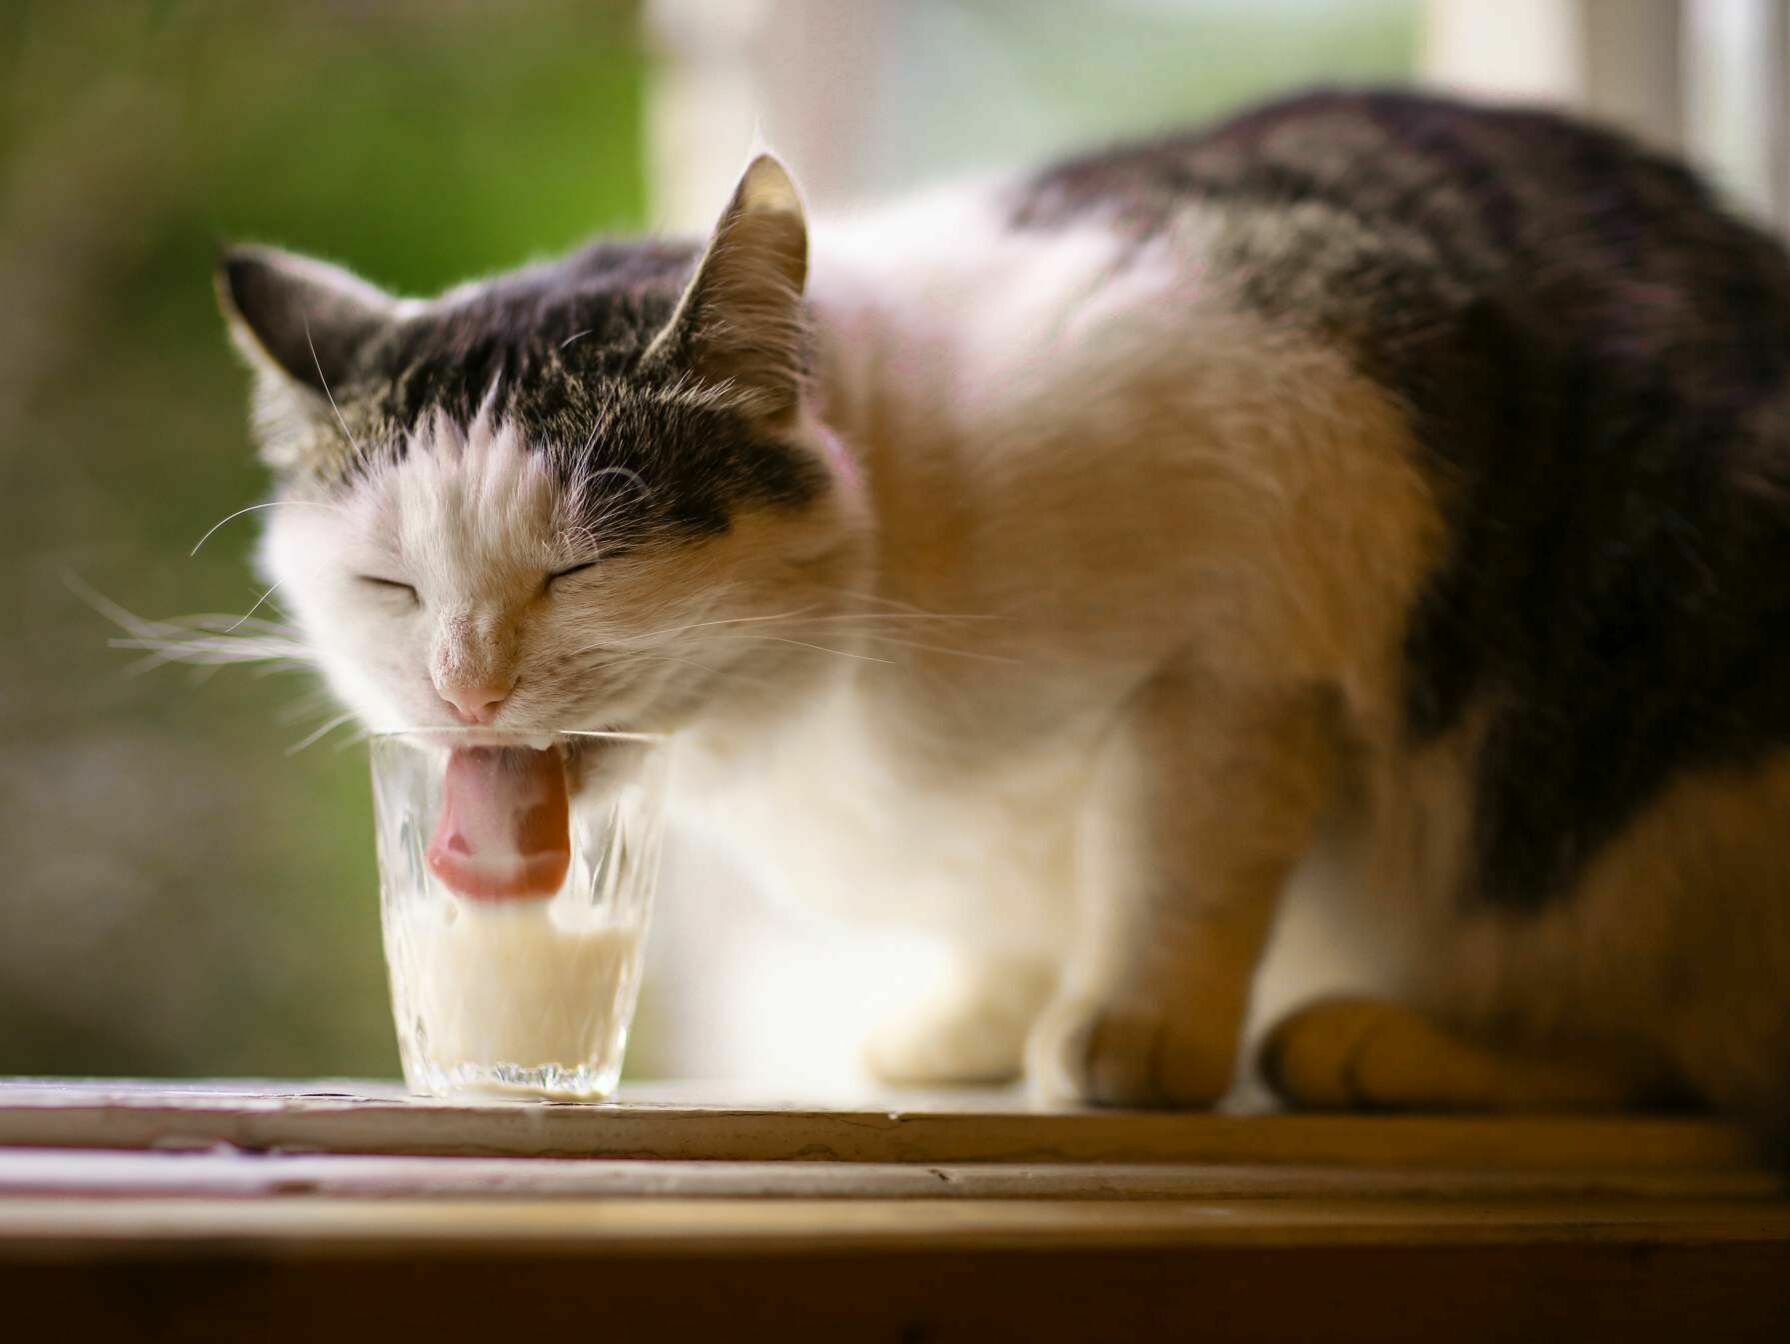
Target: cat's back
point(1594, 359)
point(1406, 206)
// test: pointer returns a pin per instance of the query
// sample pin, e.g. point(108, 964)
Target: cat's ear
point(740, 320)
point(304, 327)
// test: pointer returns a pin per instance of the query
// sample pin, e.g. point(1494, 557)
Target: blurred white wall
point(1737, 100)
point(1704, 77)
point(866, 98)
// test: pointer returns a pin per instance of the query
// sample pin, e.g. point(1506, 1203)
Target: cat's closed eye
point(566, 573)
point(394, 585)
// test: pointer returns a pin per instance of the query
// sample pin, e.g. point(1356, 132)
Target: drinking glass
point(516, 877)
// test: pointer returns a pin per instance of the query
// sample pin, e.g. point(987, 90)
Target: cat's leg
point(1356, 1053)
point(972, 1030)
point(1203, 799)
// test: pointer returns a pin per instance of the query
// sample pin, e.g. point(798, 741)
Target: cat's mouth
point(504, 831)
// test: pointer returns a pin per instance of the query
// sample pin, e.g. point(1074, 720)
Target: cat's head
point(582, 495)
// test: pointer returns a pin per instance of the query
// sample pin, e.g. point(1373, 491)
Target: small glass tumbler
point(516, 876)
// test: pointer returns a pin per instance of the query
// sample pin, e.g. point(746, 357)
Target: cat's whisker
point(221, 623)
point(244, 618)
point(206, 650)
point(870, 617)
point(303, 706)
point(326, 392)
point(623, 642)
point(256, 508)
point(275, 666)
point(354, 739)
point(143, 665)
point(322, 731)
point(804, 644)
point(204, 640)
point(939, 648)
point(628, 473)
point(730, 674)
point(702, 625)
point(858, 623)
point(908, 608)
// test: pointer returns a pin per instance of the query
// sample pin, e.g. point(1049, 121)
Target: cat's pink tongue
point(505, 827)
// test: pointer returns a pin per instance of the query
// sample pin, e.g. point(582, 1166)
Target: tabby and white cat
point(1376, 483)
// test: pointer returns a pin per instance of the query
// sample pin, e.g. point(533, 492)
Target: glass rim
point(515, 734)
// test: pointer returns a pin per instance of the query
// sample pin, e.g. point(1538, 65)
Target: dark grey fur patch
point(558, 350)
point(1596, 361)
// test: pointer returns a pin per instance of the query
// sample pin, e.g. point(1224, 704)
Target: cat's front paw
point(937, 1047)
point(1127, 1051)
point(971, 1031)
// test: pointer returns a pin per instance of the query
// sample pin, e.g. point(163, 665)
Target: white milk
point(479, 985)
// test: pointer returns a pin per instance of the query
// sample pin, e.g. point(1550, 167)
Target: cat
point(1374, 486)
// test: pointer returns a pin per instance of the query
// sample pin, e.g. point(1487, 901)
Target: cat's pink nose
point(474, 704)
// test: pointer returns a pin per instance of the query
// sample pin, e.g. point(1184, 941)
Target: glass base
point(513, 1082)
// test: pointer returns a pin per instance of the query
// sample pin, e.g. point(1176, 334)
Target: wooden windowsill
point(248, 1195)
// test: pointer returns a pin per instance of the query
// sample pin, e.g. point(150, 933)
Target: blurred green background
point(184, 894)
